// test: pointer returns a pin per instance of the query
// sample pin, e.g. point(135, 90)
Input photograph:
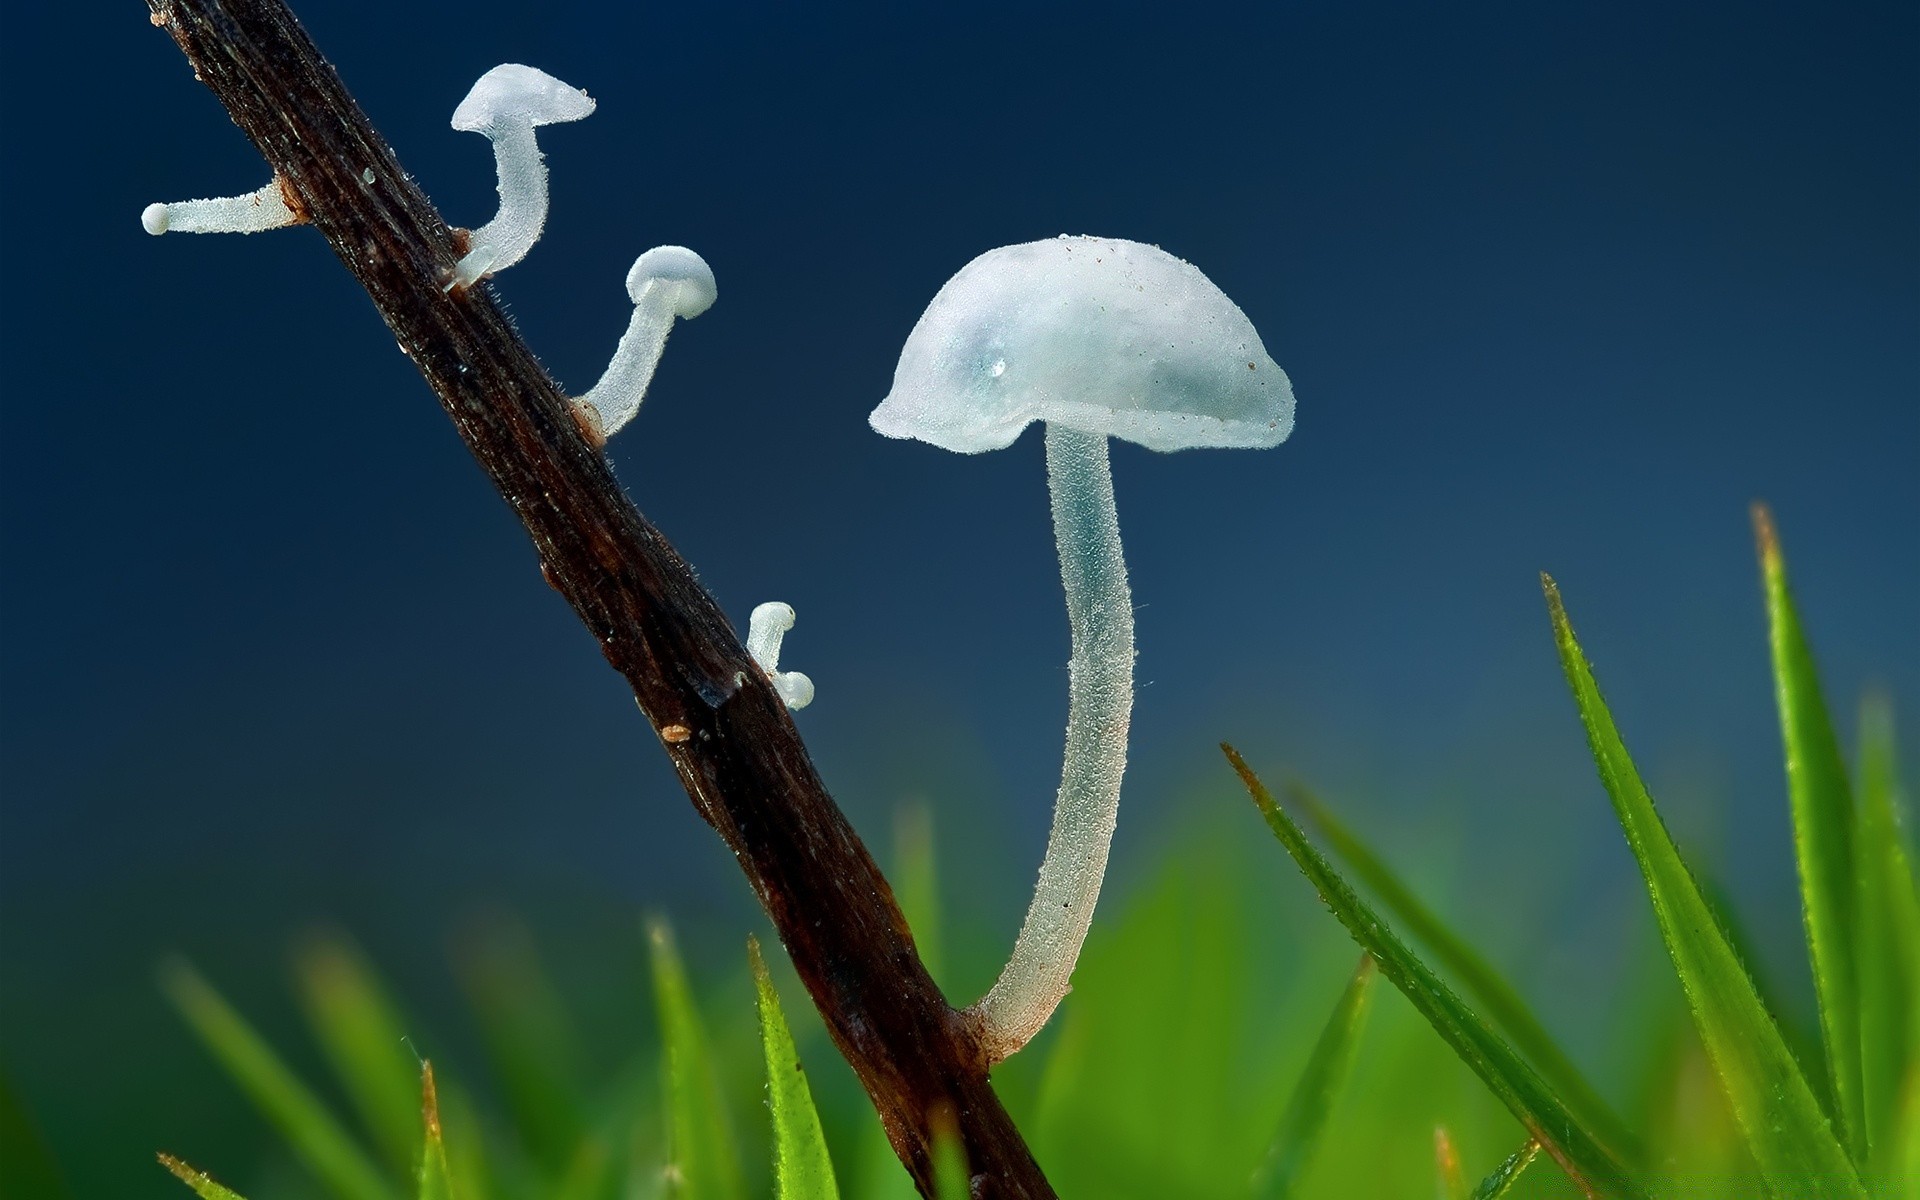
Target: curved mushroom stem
point(505, 240)
point(614, 400)
point(1100, 690)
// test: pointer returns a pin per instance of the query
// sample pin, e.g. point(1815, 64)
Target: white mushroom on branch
point(506, 105)
point(664, 283)
point(1098, 338)
point(259, 210)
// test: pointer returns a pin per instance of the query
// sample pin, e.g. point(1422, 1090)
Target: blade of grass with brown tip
point(1321, 1082)
point(315, 1135)
point(802, 1169)
point(1506, 1074)
point(1476, 976)
point(1822, 836)
point(436, 1180)
point(1508, 1173)
point(1784, 1124)
point(203, 1185)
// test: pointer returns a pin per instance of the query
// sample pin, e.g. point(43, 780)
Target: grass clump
point(1209, 1049)
point(1807, 1138)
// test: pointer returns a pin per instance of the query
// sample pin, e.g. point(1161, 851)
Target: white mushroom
point(766, 628)
point(507, 104)
point(665, 282)
point(1098, 338)
point(252, 213)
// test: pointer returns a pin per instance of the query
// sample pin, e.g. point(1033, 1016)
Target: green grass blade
point(1906, 1147)
point(1784, 1124)
point(1321, 1082)
point(315, 1135)
point(1544, 1115)
point(917, 882)
point(435, 1178)
point(587, 1175)
point(469, 1170)
point(703, 1149)
point(1822, 836)
point(1802, 1037)
point(1476, 976)
point(1507, 1173)
point(30, 1168)
point(802, 1168)
point(952, 1178)
point(1887, 936)
point(361, 1034)
point(1190, 990)
point(530, 1041)
point(875, 1171)
point(203, 1184)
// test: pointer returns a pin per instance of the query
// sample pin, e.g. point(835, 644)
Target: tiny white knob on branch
point(766, 628)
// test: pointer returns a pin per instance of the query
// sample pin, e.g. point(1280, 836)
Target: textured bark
point(729, 736)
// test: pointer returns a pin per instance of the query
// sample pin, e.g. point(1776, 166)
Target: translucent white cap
point(521, 95)
point(679, 277)
point(1104, 335)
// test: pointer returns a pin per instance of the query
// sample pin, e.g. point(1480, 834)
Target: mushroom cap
point(686, 276)
point(1099, 334)
point(518, 94)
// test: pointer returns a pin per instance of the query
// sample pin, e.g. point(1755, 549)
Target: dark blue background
point(1559, 287)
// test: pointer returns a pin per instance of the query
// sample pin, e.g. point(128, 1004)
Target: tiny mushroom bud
point(1097, 338)
point(766, 628)
point(259, 210)
point(506, 105)
point(665, 282)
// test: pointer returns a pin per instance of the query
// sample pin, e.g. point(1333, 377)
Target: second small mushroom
point(1098, 338)
point(664, 283)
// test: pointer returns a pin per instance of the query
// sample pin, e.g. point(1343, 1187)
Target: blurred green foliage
point(1209, 1048)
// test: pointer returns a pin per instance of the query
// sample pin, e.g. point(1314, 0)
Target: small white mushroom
point(665, 282)
point(256, 211)
point(766, 628)
point(1098, 338)
point(506, 105)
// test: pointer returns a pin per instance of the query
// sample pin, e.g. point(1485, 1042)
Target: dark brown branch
point(729, 736)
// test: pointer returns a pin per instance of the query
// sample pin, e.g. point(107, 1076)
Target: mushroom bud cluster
point(506, 105)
